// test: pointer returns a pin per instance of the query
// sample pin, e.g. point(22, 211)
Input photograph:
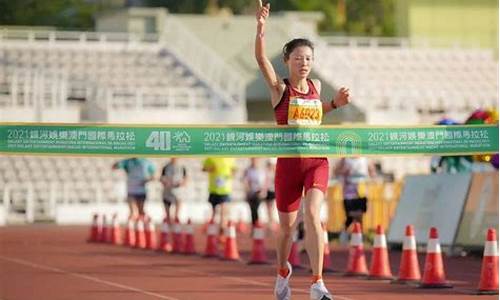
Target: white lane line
point(91, 278)
point(233, 278)
point(255, 282)
point(190, 271)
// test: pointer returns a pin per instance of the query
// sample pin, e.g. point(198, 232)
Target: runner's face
point(300, 61)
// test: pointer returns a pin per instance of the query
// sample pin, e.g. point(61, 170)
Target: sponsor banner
point(244, 140)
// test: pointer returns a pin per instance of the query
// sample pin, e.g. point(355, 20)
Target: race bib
point(220, 182)
point(304, 111)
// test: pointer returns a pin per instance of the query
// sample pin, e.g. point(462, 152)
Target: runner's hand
point(262, 12)
point(342, 97)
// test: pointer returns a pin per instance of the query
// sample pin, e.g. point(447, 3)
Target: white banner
point(481, 210)
point(430, 201)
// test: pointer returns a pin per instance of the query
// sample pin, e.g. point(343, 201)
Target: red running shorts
point(296, 175)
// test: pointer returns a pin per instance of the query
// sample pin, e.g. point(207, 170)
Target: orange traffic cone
point(434, 275)
point(94, 230)
point(379, 267)
point(103, 236)
point(294, 256)
point(258, 248)
point(241, 227)
point(211, 246)
point(164, 244)
point(130, 233)
point(189, 239)
point(488, 284)
point(177, 238)
point(356, 263)
point(140, 236)
point(230, 249)
point(327, 260)
point(109, 235)
point(204, 227)
point(409, 269)
point(150, 234)
point(116, 232)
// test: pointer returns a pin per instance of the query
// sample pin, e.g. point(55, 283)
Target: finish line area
point(103, 271)
point(245, 140)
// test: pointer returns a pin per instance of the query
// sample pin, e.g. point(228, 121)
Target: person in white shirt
point(254, 181)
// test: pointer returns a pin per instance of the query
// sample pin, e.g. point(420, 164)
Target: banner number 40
point(159, 140)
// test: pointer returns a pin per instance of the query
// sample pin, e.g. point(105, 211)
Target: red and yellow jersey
point(296, 108)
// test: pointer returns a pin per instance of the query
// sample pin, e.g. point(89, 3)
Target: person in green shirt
point(220, 184)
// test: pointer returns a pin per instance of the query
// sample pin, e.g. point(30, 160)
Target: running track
point(55, 262)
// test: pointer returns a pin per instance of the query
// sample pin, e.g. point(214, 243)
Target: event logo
point(169, 141)
point(348, 143)
point(159, 141)
point(182, 141)
point(182, 137)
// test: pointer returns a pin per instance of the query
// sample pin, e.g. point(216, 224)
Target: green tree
point(353, 17)
point(369, 17)
point(199, 6)
point(177, 6)
point(68, 14)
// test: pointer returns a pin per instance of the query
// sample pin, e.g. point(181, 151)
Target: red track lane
point(54, 262)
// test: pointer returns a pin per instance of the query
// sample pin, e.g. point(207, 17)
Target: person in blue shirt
point(139, 172)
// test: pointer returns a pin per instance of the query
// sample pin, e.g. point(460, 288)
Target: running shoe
point(319, 291)
point(282, 289)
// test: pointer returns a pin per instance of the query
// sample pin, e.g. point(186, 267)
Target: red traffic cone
point(294, 256)
point(204, 227)
point(150, 234)
point(208, 218)
point(103, 236)
point(116, 232)
point(409, 269)
point(356, 263)
point(177, 238)
point(164, 244)
point(140, 236)
point(189, 239)
point(241, 227)
point(211, 246)
point(130, 233)
point(94, 230)
point(434, 275)
point(488, 284)
point(380, 267)
point(230, 248)
point(109, 235)
point(327, 260)
point(258, 255)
